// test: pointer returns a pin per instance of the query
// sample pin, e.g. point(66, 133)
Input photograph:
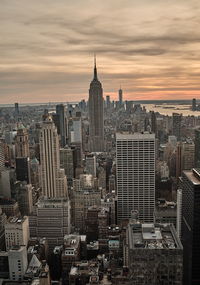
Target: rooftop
point(52, 202)
point(193, 176)
point(153, 236)
point(16, 220)
point(135, 136)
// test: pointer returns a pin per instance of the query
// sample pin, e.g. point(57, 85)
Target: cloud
point(148, 46)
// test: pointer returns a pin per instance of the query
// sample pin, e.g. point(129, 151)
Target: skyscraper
point(190, 231)
point(53, 179)
point(62, 129)
point(22, 143)
point(194, 104)
point(120, 96)
point(176, 125)
point(22, 155)
point(197, 148)
point(2, 157)
point(96, 115)
point(135, 175)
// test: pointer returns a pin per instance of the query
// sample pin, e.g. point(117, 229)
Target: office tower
point(77, 154)
point(197, 148)
point(178, 160)
point(154, 254)
point(194, 104)
point(5, 185)
point(17, 258)
point(35, 173)
point(62, 121)
point(3, 220)
point(185, 156)
point(190, 231)
point(51, 220)
point(10, 207)
point(17, 232)
point(176, 125)
point(165, 212)
point(108, 103)
point(67, 162)
point(22, 143)
point(85, 194)
point(2, 156)
point(179, 212)
point(120, 97)
point(96, 115)
point(16, 108)
point(23, 169)
point(4, 272)
point(135, 175)
point(188, 155)
point(22, 155)
point(53, 179)
point(153, 123)
point(90, 165)
point(76, 131)
point(24, 194)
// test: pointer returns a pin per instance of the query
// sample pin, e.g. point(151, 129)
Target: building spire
point(95, 68)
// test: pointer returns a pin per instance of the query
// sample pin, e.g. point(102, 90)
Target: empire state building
point(96, 115)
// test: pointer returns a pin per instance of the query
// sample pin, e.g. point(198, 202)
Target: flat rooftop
point(153, 236)
point(51, 202)
point(135, 136)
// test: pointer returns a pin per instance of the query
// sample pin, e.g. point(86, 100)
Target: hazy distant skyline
point(150, 47)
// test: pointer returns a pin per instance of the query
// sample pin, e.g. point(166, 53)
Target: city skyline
point(150, 48)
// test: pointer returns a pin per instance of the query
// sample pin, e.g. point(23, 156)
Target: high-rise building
point(96, 115)
point(17, 258)
point(67, 162)
point(135, 175)
point(2, 156)
point(153, 254)
point(16, 108)
point(153, 122)
point(190, 231)
point(51, 219)
point(85, 194)
point(24, 197)
point(53, 179)
point(62, 121)
point(17, 232)
point(90, 165)
point(22, 155)
point(120, 97)
point(22, 143)
point(108, 103)
point(23, 172)
point(76, 130)
point(194, 104)
point(197, 148)
point(179, 212)
point(176, 125)
point(3, 220)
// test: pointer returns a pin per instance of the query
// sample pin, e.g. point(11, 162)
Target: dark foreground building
point(190, 185)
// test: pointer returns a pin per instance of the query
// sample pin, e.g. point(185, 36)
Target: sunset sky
point(150, 47)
